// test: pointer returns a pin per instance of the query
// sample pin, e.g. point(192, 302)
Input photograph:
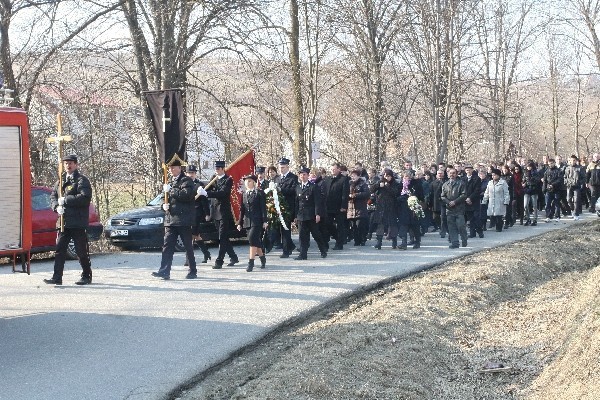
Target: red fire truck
point(15, 182)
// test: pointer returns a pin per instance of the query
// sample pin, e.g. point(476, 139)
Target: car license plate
point(119, 232)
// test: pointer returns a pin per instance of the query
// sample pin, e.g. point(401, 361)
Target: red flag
point(244, 165)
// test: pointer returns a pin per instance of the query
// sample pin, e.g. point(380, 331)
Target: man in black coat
point(336, 189)
point(435, 203)
point(221, 213)
point(73, 206)
point(202, 207)
point(262, 183)
point(180, 216)
point(473, 201)
point(309, 209)
point(288, 182)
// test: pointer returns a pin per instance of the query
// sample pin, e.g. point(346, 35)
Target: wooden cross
point(59, 139)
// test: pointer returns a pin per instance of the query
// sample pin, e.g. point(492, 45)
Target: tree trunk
point(299, 145)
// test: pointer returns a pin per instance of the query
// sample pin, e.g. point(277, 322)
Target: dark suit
point(221, 213)
point(473, 191)
point(178, 222)
point(202, 206)
point(308, 205)
point(263, 185)
point(288, 185)
point(77, 192)
point(336, 190)
point(253, 214)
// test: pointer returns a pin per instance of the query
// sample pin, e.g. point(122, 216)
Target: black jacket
point(336, 190)
point(253, 211)
point(182, 206)
point(220, 193)
point(77, 192)
point(308, 202)
point(473, 191)
point(593, 173)
point(553, 180)
point(435, 193)
point(532, 183)
point(201, 204)
point(288, 189)
point(386, 211)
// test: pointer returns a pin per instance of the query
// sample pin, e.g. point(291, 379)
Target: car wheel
point(71, 253)
point(179, 244)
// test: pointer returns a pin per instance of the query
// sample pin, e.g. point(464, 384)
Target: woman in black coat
point(407, 220)
point(358, 215)
point(253, 217)
point(386, 213)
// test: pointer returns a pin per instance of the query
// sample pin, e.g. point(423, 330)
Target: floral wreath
point(276, 207)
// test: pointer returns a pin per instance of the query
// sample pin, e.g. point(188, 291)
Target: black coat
point(553, 180)
point(405, 214)
point(532, 183)
point(253, 210)
point(263, 185)
point(473, 192)
point(308, 202)
point(435, 200)
point(386, 211)
point(77, 192)
point(358, 198)
point(202, 205)
point(288, 189)
point(336, 190)
point(182, 206)
point(220, 193)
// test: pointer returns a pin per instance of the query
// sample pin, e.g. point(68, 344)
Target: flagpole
point(230, 165)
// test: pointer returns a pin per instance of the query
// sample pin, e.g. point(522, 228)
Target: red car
point(43, 223)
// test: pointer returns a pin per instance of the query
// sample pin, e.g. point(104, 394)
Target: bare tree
point(367, 30)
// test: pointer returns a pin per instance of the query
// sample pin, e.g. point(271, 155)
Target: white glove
point(201, 191)
point(60, 210)
point(166, 207)
point(166, 188)
point(61, 201)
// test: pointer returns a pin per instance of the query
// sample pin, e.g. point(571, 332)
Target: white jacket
point(497, 197)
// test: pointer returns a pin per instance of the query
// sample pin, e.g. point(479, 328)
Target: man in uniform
point(73, 206)
point(309, 209)
point(221, 213)
point(179, 217)
point(287, 184)
point(260, 175)
point(202, 207)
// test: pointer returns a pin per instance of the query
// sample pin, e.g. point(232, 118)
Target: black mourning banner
point(166, 112)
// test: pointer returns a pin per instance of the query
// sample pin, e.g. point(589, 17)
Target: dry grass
point(533, 306)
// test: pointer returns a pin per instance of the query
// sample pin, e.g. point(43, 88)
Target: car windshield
point(157, 201)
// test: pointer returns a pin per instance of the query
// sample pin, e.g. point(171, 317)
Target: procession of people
point(341, 207)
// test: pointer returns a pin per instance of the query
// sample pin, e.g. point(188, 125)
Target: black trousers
point(337, 227)
point(414, 229)
point(496, 220)
point(286, 238)
point(170, 239)
point(79, 236)
point(225, 246)
point(360, 227)
point(307, 228)
point(472, 216)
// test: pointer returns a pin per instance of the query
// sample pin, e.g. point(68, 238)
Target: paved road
point(132, 336)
